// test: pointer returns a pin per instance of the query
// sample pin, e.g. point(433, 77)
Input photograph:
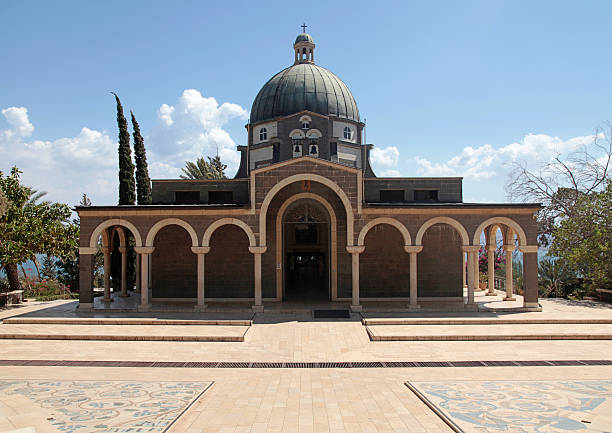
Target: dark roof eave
point(456, 205)
point(165, 206)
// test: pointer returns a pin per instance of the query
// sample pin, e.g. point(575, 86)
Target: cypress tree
point(127, 195)
point(143, 182)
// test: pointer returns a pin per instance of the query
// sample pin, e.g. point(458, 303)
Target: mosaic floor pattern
point(109, 406)
point(520, 406)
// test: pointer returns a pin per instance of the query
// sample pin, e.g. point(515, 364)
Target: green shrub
point(48, 290)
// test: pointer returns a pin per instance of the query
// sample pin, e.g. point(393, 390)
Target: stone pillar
point(530, 276)
point(476, 259)
point(86, 259)
point(201, 252)
point(145, 252)
point(107, 272)
point(472, 271)
point(123, 251)
point(464, 263)
point(509, 249)
point(138, 261)
point(257, 252)
point(413, 251)
point(355, 251)
point(491, 270)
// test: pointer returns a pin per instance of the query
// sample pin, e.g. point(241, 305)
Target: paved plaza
point(294, 373)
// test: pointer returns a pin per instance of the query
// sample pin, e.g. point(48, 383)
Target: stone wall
point(174, 266)
point(439, 265)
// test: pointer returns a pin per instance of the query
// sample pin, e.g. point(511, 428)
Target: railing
point(500, 283)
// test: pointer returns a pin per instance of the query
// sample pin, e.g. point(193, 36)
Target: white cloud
point(17, 117)
point(87, 163)
point(486, 162)
point(385, 160)
point(193, 128)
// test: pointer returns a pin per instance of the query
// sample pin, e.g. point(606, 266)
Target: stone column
point(355, 251)
point(201, 252)
point(463, 263)
point(145, 252)
point(123, 251)
point(509, 296)
point(86, 259)
point(472, 271)
point(257, 252)
point(413, 251)
point(107, 272)
point(138, 260)
point(530, 276)
point(476, 259)
point(491, 270)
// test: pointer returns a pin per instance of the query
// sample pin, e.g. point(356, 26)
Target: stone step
point(121, 321)
point(488, 332)
point(482, 321)
point(124, 332)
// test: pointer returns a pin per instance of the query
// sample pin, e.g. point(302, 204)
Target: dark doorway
point(306, 276)
point(306, 240)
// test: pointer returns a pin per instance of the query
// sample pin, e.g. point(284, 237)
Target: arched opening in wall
point(306, 251)
point(173, 265)
point(440, 263)
point(384, 266)
point(500, 262)
point(229, 267)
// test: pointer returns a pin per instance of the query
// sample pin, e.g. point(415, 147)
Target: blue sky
point(447, 87)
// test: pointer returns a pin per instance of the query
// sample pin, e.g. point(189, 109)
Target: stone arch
point(297, 178)
point(385, 220)
point(505, 221)
point(93, 240)
point(443, 220)
point(223, 221)
point(122, 237)
point(171, 221)
point(333, 246)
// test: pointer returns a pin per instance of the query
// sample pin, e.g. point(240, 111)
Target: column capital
point(413, 249)
point(200, 250)
point(528, 248)
point(144, 250)
point(509, 248)
point(123, 250)
point(257, 250)
point(355, 249)
point(87, 250)
point(106, 250)
point(470, 248)
point(491, 248)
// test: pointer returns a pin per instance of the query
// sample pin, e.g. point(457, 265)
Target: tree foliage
point(4, 203)
point(29, 228)
point(584, 239)
point(560, 183)
point(143, 182)
point(127, 195)
point(202, 169)
point(556, 277)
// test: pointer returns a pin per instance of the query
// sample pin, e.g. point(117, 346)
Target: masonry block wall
point(439, 265)
point(174, 266)
point(229, 265)
point(384, 266)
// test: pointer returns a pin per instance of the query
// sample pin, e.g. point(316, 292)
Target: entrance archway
point(306, 244)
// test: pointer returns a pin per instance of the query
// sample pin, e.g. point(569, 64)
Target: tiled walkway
point(291, 399)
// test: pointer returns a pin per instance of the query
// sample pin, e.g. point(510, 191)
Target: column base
point(491, 294)
point(258, 308)
point(356, 308)
point(512, 298)
point(144, 307)
point(414, 307)
point(124, 295)
point(470, 307)
point(107, 299)
point(200, 307)
point(85, 306)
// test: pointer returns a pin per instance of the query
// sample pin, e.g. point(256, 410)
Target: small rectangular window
point(392, 196)
point(220, 197)
point(276, 153)
point(187, 197)
point(333, 149)
point(426, 195)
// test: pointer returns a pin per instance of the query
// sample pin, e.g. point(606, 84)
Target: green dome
point(304, 37)
point(304, 86)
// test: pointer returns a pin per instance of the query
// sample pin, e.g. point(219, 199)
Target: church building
point(306, 219)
